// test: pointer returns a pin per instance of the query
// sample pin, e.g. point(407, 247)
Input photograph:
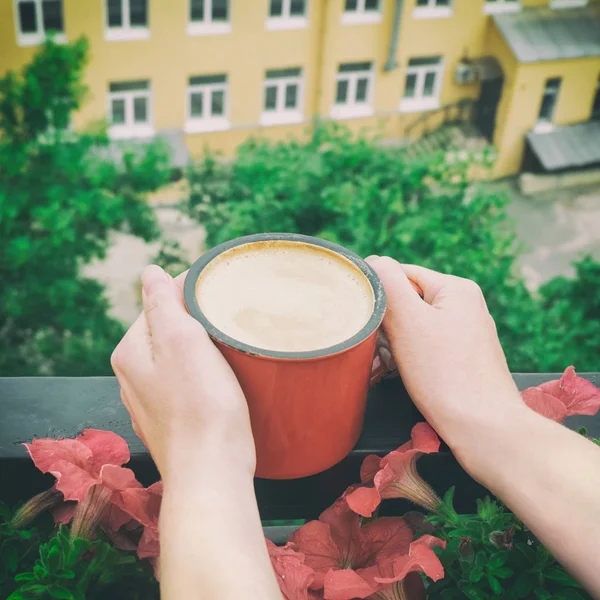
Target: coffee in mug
point(285, 296)
point(296, 318)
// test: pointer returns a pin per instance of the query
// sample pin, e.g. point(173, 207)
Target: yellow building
point(212, 72)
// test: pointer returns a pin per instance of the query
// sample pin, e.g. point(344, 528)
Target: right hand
point(447, 351)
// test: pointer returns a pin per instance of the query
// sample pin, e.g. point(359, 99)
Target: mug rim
point(379, 304)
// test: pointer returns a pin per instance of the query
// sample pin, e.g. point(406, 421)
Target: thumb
point(403, 299)
point(161, 298)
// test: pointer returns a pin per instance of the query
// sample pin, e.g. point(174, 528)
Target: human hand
point(183, 397)
point(447, 351)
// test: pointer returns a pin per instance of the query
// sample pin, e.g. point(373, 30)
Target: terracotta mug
point(306, 408)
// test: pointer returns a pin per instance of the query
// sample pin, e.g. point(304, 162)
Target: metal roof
point(569, 146)
point(537, 34)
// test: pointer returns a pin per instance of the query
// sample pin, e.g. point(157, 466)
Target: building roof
point(569, 146)
point(537, 34)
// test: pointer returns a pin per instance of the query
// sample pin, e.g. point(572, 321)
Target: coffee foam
point(285, 296)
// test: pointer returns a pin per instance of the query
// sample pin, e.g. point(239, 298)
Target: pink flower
point(395, 475)
point(564, 397)
point(145, 508)
point(349, 560)
point(77, 464)
point(293, 576)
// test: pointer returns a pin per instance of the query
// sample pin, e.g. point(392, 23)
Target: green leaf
point(474, 593)
point(570, 594)
point(40, 572)
point(476, 574)
point(25, 576)
point(494, 584)
point(497, 561)
point(26, 534)
point(582, 431)
point(53, 560)
point(559, 575)
point(503, 573)
point(65, 574)
point(542, 594)
point(59, 592)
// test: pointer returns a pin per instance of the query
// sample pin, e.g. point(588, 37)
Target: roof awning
point(537, 34)
point(487, 68)
point(569, 146)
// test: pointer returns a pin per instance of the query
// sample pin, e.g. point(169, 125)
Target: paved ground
point(555, 227)
point(126, 259)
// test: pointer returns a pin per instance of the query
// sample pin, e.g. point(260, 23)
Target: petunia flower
point(36, 505)
point(564, 397)
point(398, 577)
point(76, 464)
point(348, 559)
point(396, 476)
point(293, 576)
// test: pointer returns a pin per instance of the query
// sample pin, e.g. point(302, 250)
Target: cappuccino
point(285, 296)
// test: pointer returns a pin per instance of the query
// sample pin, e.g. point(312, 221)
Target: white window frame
point(352, 109)
point(567, 3)
point(130, 129)
point(501, 6)
point(282, 115)
point(207, 123)
point(433, 11)
point(418, 102)
point(126, 31)
point(286, 20)
point(207, 26)
point(39, 37)
point(361, 16)
point(543, 125)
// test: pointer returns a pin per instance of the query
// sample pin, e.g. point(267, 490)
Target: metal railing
point(455, 112)
point(64, 406)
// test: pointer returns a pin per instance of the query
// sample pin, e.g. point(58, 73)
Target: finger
point(401, 296)
point(431, 282)
point(162, 300)
point(134, 351)
point(180, 279)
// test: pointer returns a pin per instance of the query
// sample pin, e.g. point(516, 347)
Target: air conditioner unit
point(465, 74)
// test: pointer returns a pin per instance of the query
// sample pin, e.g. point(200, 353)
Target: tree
point(374, 201)
point(61, 194)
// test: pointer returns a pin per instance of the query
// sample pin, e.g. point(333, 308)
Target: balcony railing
point(62, 407)
point(456, 112)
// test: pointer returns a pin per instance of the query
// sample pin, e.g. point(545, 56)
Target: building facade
point(216, 71)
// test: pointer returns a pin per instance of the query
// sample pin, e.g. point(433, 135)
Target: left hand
point(182, 395)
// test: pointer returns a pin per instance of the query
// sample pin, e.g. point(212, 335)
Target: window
point(209, 17)
point(207, 104)
point(353, 91)
point(432, 9)
point(130, 109)
point(361, 11)
point(127, 20)
point(596, 103)
point(548, 104)
point(282, 97)
point(500, 6)
point(422, 84)
point(287, 14)
point(36, 19)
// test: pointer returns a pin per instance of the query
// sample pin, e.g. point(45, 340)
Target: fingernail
point(371, 257)
point(153, 277)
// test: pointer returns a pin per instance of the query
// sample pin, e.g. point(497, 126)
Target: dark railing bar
point(62, 407)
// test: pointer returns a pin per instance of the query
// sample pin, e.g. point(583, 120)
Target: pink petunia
point(564, 397)
point(396, 476)
point(293, 576)
point(77, 464)
point(348, 559)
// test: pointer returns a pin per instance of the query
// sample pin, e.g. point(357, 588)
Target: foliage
point(491, 554)
point(171, 258)
point(61, 195)
point(68, 568)
point(375, 201)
